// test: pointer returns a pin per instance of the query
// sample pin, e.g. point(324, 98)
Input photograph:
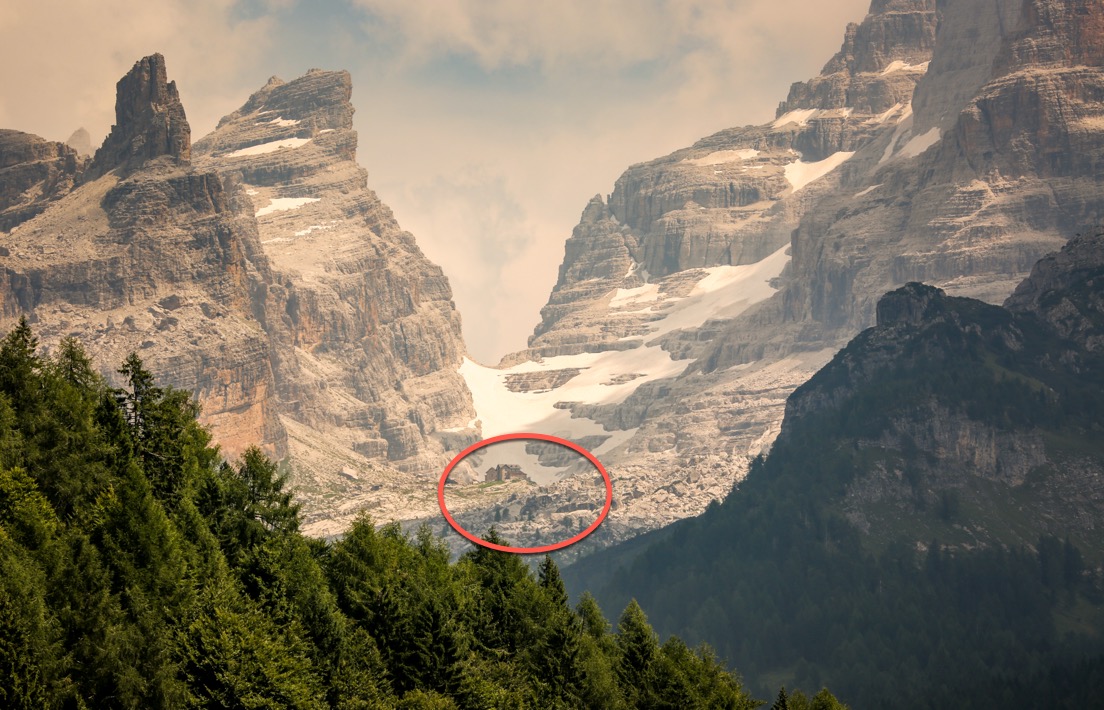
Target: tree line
point(139, 569)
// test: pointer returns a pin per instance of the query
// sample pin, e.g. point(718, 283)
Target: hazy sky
point(485, 124)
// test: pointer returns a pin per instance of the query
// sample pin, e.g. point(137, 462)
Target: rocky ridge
point(1013, 434)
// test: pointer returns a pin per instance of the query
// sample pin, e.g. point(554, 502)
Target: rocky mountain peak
point(149, 121)
point(81, 142)
point(877, 65)
point(1064, 289)
point(595, 211)
point(907, 306)
point(319, 101)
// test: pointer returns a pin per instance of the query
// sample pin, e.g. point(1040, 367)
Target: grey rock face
point(149, 121)
point(33, 173)
point(264, 277)
point(1066, 290)
point(366, 342)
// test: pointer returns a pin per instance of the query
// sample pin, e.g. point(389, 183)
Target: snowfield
point(723, 292)
point(799, 173)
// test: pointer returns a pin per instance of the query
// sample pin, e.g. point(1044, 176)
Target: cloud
point(485, 124)
point(608, 35)
point(59, 61)
point(602, 86)
point(478, 228)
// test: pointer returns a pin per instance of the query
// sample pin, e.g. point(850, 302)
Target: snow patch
point(904, 123)
point(918, 144)
point(279, 204)
point(898, 65)
point(799, 116)
point(624, 297)
point(315, 228)
point(884, 116)
point(799, 173)
point(279, 121)
point(724, 292)
point(270, 147)
point(723, 156)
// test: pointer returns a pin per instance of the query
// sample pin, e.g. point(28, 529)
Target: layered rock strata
point(34, 172)
point(949, 143)
point(368, 342)
point(259, 273)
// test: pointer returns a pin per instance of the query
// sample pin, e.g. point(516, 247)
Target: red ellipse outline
point(512, 437)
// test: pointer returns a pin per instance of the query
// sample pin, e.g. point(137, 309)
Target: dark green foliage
point(139, 570)
point(788, 589)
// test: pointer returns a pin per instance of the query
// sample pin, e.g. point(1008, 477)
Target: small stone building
point(505, 472)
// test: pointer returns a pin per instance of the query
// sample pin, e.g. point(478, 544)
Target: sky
point(486, 125)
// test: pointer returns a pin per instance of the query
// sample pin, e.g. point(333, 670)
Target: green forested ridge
point(900, 577)
point(138, 570)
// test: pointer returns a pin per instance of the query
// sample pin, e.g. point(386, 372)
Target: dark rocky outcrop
point(149, 121)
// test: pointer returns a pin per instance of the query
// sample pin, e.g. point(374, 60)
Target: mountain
point(33, 173)
point(256, 270)
point(947, 142)
point(930, 510)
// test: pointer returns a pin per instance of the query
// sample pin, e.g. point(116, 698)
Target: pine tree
point(20, 367)
point(638, 648)
point(552, 583)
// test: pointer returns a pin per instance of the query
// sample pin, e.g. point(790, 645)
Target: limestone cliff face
point(999, 165)
point(33, 173)
point(151, 255)
point(366, 339)
point(896, 33)
point(1066, 290)
point(257, 272)
point(735, 197)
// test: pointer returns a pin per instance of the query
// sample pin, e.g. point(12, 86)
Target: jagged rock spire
point(149, 121)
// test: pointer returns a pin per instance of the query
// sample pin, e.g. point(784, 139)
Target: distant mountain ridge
point(953, 143)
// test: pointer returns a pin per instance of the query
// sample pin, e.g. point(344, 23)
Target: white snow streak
point(724, 292)
point(799, 116)
point(279, 121)
point(279, 204)
point(270, 147)
point(898, 65)
point(918, 144)
point(799, 173)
